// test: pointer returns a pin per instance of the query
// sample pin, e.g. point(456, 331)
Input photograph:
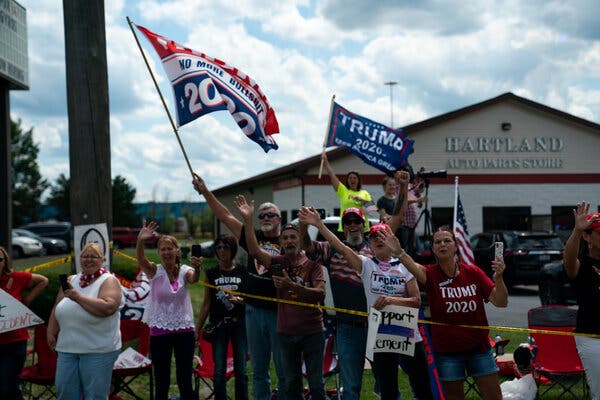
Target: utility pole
point(391, 84)
point(87, 98)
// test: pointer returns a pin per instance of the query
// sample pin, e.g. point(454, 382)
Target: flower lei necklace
point(87, 279)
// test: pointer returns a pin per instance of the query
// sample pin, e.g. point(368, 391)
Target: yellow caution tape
point(336, 309)
point(58, 261)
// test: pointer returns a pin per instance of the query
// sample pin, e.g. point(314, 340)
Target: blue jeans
point(84, 374)
point(236, 333)
point(261, 332)
point(293, 349)
point(162, 348)
point(351, 344)
point(12, 360)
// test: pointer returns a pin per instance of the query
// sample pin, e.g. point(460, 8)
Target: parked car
point(123, 236)
point(525, 252)
point(59, 230)
point(554, 286)
point(52, 245)
point(23, 246)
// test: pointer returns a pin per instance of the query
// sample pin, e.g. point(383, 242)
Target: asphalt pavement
point(520, 300)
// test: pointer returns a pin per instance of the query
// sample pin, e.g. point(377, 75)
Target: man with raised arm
point(261, 315)
point(347, 287)
point(300, 328)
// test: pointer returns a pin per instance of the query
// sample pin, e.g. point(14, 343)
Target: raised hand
point(147, 230)
point(402, 177)
point(498, 267)
point(581, 223)
point(246, 210)
point(390, 241)
point(198, 183)
point(309, 216)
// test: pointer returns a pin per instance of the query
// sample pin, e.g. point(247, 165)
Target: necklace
point(87, 279)
point(450, 279)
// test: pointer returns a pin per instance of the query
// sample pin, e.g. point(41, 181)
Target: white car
point(23, 246)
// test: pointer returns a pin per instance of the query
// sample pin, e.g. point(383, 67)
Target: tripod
point(428, 222)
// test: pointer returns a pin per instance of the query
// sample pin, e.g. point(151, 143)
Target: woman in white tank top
point(84, 329)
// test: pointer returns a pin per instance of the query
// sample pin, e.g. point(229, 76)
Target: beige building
point(521, 165)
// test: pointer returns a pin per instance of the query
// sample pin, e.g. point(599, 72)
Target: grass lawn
point(126, 268)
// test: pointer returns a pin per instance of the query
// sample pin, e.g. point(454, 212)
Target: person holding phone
point(227, 312)
point(300, 329)
point(169, 312)
point(13, 344)
point(84, 329)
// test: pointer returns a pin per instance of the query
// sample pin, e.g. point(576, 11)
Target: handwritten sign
point(14, 314)
point(392, 330)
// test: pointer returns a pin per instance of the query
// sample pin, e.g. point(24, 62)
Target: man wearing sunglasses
point(261, 316)
point(300, 328)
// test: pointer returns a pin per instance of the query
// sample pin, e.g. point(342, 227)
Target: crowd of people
point(371, 267)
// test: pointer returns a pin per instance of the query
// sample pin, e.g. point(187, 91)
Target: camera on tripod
point(438, 173)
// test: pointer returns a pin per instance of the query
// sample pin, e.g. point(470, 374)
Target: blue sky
point(300, 53)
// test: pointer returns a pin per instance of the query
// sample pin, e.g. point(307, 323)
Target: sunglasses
point(91, 257)
point(222, 247)
point(1, 259)
point(352, 221)
point(267, 215)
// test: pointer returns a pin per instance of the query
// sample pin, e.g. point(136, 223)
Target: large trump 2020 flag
point(384, 148)
point(203, 84)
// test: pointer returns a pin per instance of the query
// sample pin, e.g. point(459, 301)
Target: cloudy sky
point(443, 54)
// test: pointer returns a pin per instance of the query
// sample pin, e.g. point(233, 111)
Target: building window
point(512, 218)
point(336, 211)
point(284, 218)
point(562, 218)
point(441, 216)
point(294, 214)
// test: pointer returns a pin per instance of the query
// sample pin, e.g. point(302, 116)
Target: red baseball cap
point(595, 225)
point(380, 227)
point(353, 210)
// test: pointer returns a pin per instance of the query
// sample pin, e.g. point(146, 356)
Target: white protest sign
point(14, 314)
point(392, 330)
point(97, 233)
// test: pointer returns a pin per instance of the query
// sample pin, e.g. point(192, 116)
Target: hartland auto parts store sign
point(13, 44)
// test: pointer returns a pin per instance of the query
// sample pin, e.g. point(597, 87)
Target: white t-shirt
point(385, 278)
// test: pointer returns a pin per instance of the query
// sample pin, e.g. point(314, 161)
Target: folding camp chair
point(43, 368)
point(556, 363)
point(133, 330)
point(205, 366)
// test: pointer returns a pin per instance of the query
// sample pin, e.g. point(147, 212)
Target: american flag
point(460, 228)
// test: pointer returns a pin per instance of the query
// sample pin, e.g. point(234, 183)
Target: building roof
point(299, 168)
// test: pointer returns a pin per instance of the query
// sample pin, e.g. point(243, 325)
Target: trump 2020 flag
point(460, 228)
point(203, 84)
point(384, 148)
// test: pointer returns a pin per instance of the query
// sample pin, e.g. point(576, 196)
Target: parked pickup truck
point(127, 237)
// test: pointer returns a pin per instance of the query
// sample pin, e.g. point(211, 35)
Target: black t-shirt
point(260, 281)
point(588, 295)
point(236, 279)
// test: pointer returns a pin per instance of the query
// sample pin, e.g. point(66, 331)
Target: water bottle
point(499, 347)
point(223, 299)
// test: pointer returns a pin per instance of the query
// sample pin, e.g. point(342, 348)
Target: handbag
point(209, 333)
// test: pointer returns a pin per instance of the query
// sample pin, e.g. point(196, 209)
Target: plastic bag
point(519, 388)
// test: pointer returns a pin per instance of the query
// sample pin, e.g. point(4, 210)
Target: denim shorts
point(452, 366)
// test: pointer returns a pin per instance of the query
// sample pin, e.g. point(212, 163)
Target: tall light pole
point(391, 84)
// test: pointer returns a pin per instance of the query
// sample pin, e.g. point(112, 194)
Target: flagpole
point(455, 202)
point(326, 134)
point(161, 97)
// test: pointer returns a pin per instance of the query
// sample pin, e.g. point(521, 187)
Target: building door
point(511, 218)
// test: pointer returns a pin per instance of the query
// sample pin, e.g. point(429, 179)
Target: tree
point(59, 197)
point(124, 211)
point(27, 182)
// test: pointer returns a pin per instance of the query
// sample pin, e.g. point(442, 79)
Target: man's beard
point(354, 239)
point(267, 227)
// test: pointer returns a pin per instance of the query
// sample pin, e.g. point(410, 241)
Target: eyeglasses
point(222, 247)
point(90, 257)
point(352, 221)
point(267, 215)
